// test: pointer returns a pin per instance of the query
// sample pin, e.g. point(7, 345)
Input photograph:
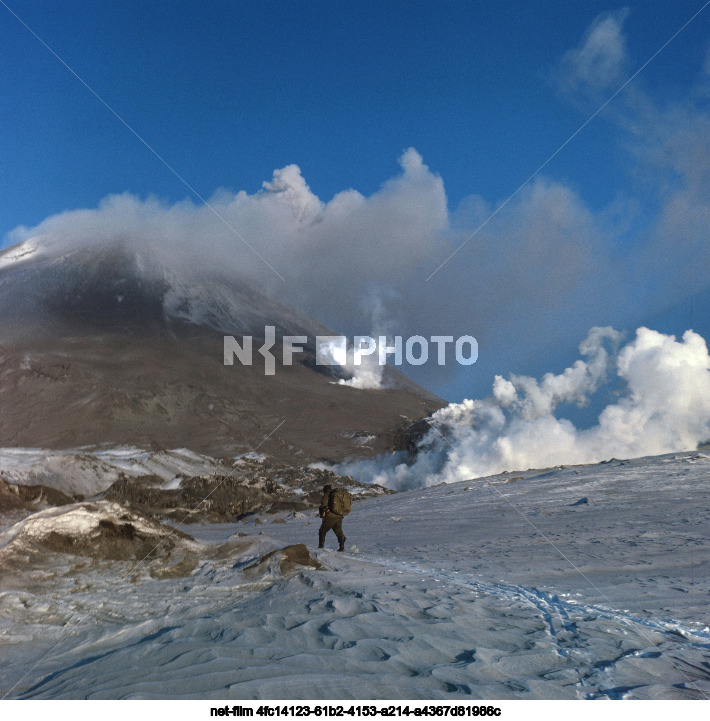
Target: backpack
point(340, 501)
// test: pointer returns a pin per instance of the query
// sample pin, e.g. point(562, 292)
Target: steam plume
point(665, 407)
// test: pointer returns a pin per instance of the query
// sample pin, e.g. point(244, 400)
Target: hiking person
point(334, 504)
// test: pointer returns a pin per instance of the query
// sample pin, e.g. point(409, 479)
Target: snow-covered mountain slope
point(579, 582)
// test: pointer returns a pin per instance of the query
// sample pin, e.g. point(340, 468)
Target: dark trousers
point(334, 522)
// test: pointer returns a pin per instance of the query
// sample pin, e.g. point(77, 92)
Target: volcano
point(107, 344)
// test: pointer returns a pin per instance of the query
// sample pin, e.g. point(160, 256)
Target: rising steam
point(664, 407)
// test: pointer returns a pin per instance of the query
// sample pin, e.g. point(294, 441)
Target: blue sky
point(228, 92)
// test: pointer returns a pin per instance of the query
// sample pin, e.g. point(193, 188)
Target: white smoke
point(665, 407)
point(364, 371)
point(543, 271)
point(341, 261)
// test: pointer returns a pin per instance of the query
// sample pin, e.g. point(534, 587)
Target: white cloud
point(665, 408)
point(599, 62)
point(538, 272)
point(289, 184)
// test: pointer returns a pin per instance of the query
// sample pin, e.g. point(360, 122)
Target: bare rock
point(283, 561)
point(16, 497)
point(101, 531)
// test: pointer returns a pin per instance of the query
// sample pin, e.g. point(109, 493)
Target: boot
point(341, 547)
point(320, 545)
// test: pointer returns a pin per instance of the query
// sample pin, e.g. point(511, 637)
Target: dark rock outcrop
point(254, 486)
point(290, 559)
point(100, 531)
point(17, 497)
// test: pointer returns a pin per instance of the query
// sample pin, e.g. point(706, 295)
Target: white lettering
point(290, 347)
point(395, 350)
point(423, 354)
point(232, 348)
point(441, 341)
point(473, 356)
point(265, 350)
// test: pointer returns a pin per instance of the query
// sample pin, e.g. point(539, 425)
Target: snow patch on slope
point(20, 252)
point(88, 472)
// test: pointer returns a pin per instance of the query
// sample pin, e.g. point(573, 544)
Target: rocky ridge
point(253, 486)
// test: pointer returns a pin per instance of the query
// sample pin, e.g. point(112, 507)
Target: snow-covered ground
point(580, 582)
point(89, 471)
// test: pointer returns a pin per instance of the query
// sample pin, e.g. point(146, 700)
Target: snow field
point(452, 592)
